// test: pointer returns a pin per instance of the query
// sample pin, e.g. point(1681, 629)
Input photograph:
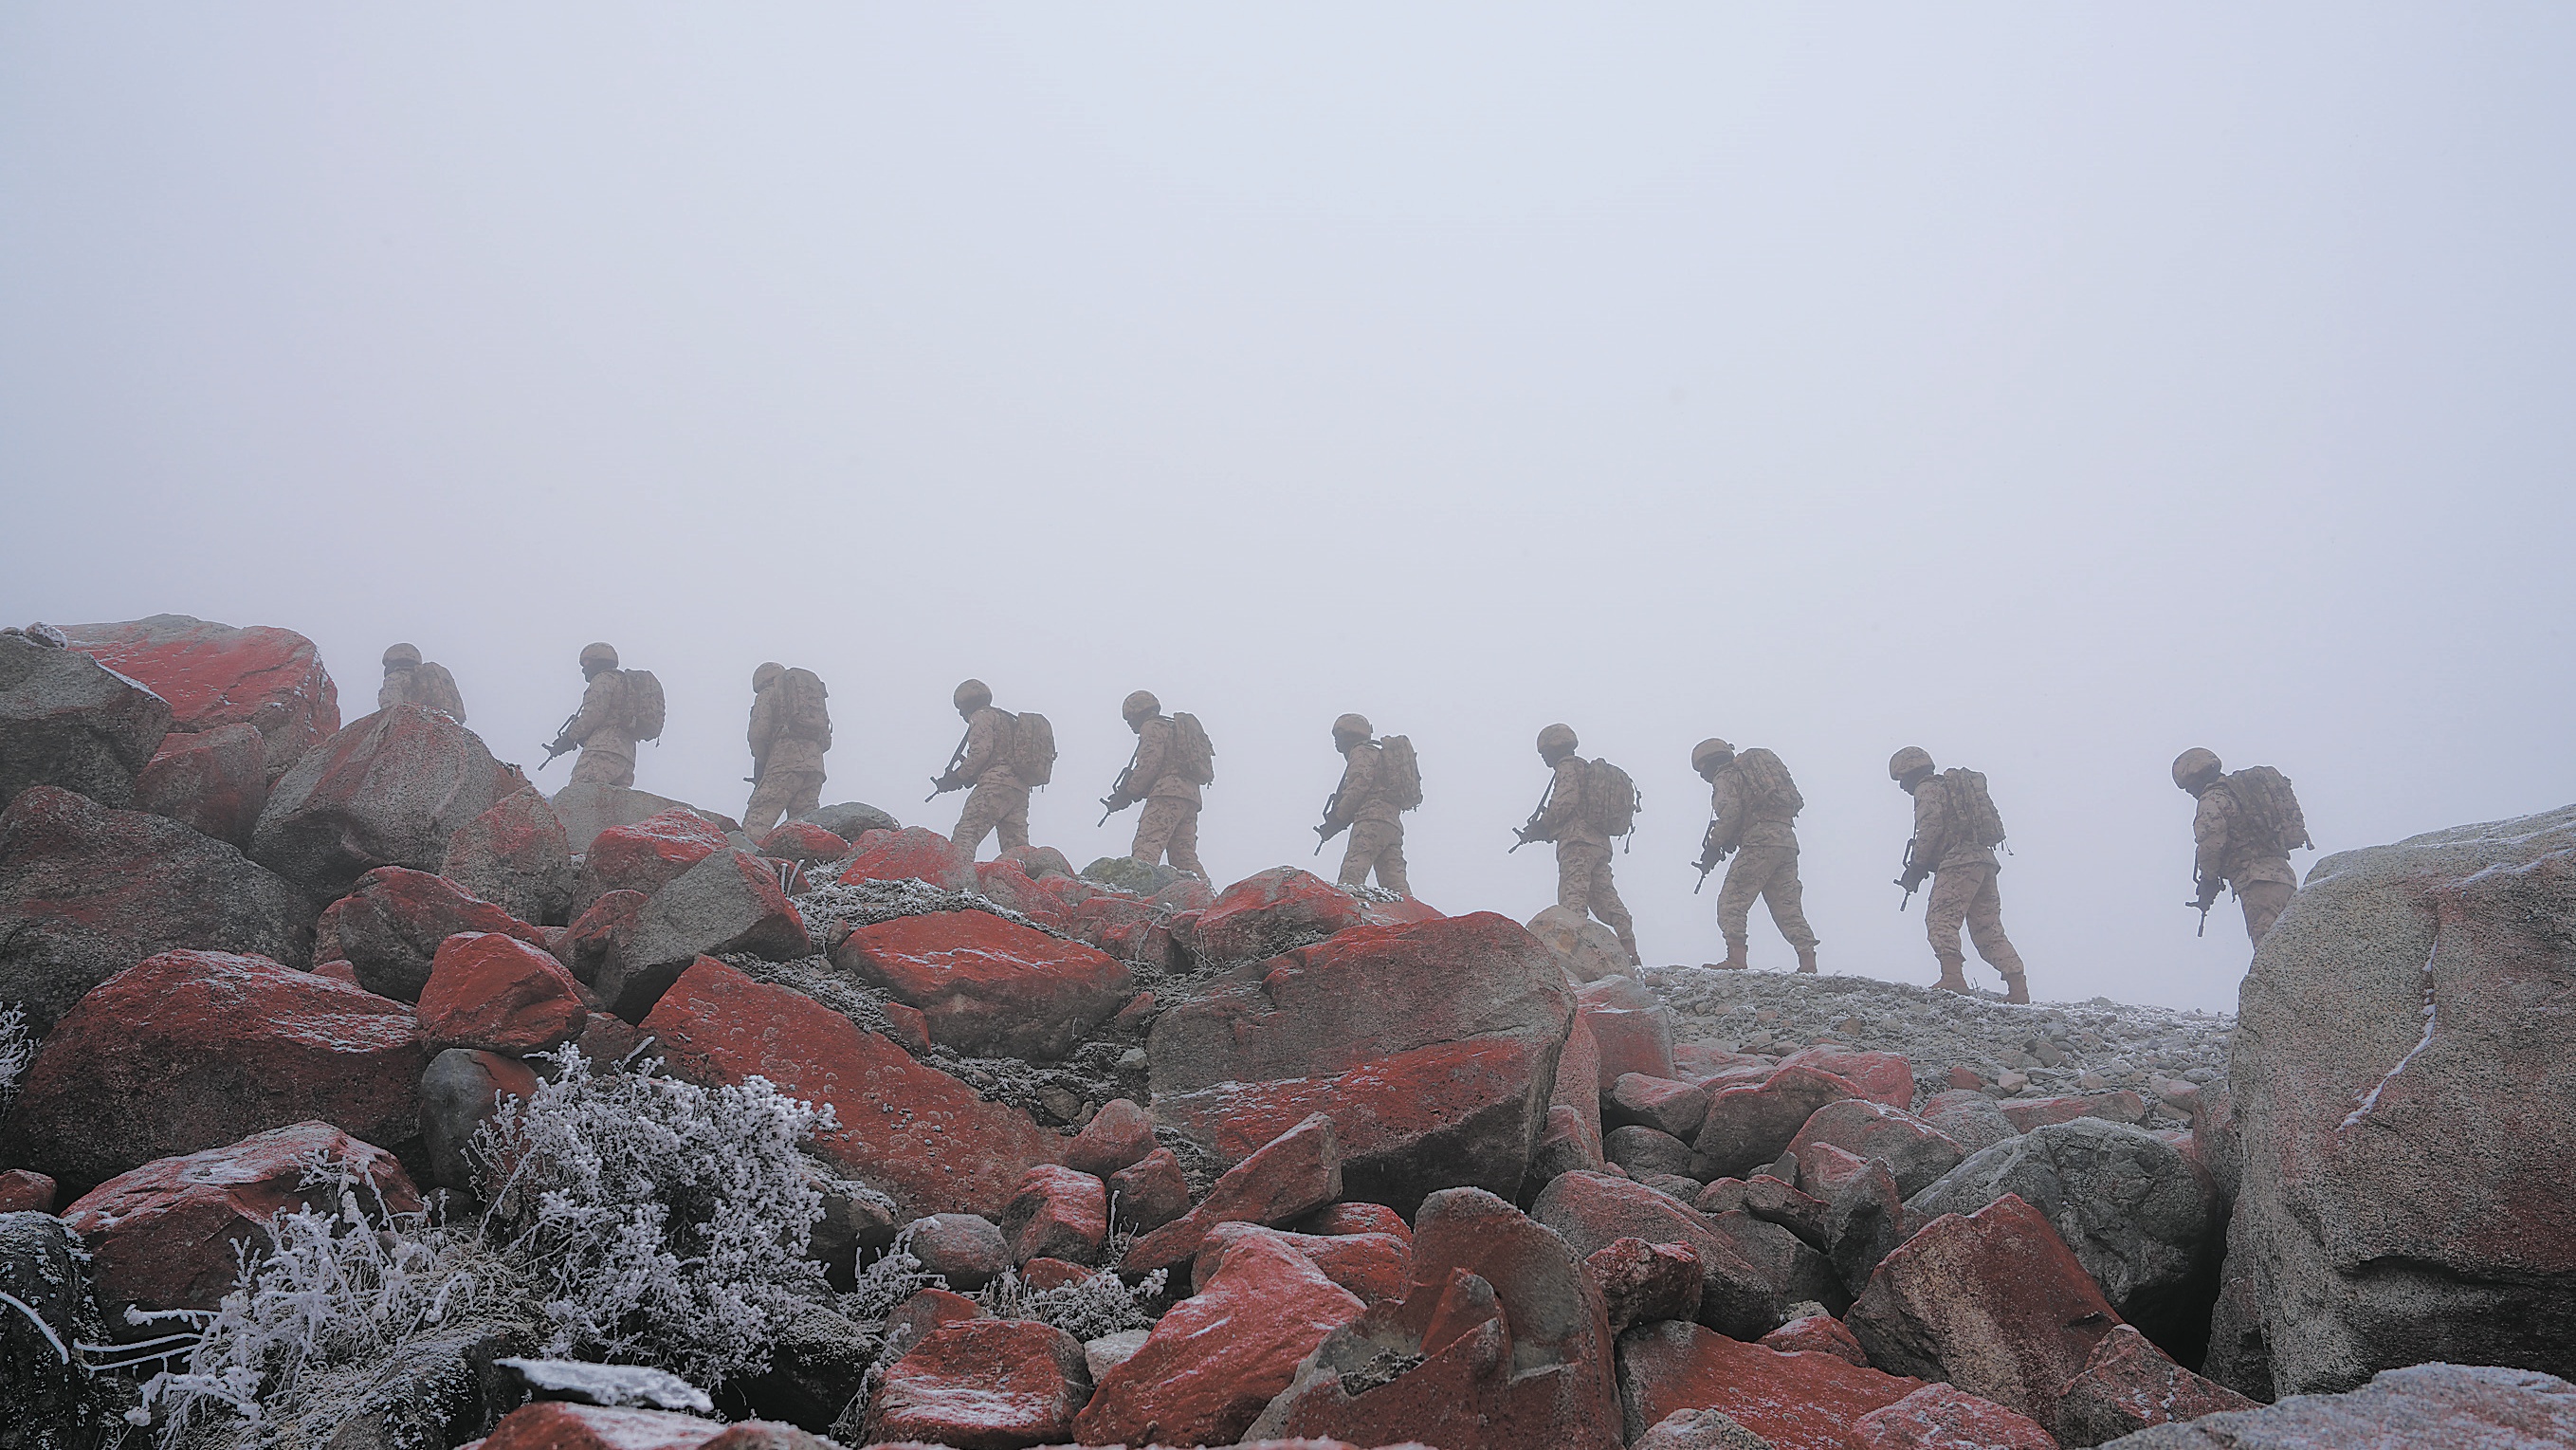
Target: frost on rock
point(17, 1049)
point(850, 905)
point(618, 1386)
point(666, 1223)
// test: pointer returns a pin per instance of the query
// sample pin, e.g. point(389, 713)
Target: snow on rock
point(630, 1386)
point(989, 987)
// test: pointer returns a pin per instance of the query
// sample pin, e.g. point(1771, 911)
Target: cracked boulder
point(68, 721)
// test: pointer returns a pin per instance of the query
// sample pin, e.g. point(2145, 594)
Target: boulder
point(906, 1129)
point(728, 902)
point(1699, 1430)
point(1592, 1211)
point(1150, 1192)
point(850, 820)
point(1432, 1046)
point(2121, 1106)
point(1864, 1219)
point(25, 1191)
point(645, 856)
point(1265, 915)
point(1661, 1103)
point(1646, 1153)
point(1775, 1200)
point(913, 853)
point(214, 675)
point(966, 1249)
point(1631, 1040)
point(2140, 1220)
point(1578, 1081)
point(42, 1385)
point(803, 842)
point(191, 1050)
point(459, 1092)
point(1057, 1214)
point(390, 926)
point(1938, 1417)
point(516, 856)
point(1214, 1360)
point(163, 1236)
point(2128, 1385)
point(2492, 1408)
point(1640, 1282)
point(388, 790)
point(989, 987)
point(1374, 1267)
point(1881, 1077)
point(601, 933)
point(1355, 1218)
point(497, 993)
point(983, 1384)
point(1915, 1152)
point(563, 1425)
point(1589, 950)
point(588, 809)
point(1971, 1119)
point(1120, 1134)
point(1748, 1128)
point(214, 782)
point(2405, 1095)
point(86, 892)
point(1817, 1334)
point(1794, 1401)
point(1293, 1173)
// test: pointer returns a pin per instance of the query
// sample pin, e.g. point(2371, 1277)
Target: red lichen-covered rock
point(1993, 1302)
point(1794, 1401)
point(1775, 1201)
point(66, 721)
point(1119, 1134)
point(389, 928)
point(910, 854)
point(804, 843)
point(908, 1130)
point(920, 1313)
point(1002, 882)
point(1514, 1346)
point(1057, 1214)
point(388, 790)
point(1631, 1039)
point(989, 987)
point(1355, 1218)
point(162, 1236)
point(560, 1425)
point(1660, 1103)
point(729, 902)
point(2128, 1384)
point(191, 1050)
point(26, 1191)
point(2122, 1106)
point(593, 941)
point(1578, 1081)
point(1972, 1119)
point(1119, 925)
point(1043, 1273)
point(1817, 1334)
point(1216, 1358)
point(1293, 1173)
point(1640, 1281)
point(1881, 1077)
point(498, 994)
point(983, 1384)
point(1915, 1152)
point(1150, 1192)
point(646, 856)
point(214, 782)
point(214, 675)
point(1269, 913)
point(1750, 1127)
point(461, 1091)
point(1432, 1046)
point(517, 856)
point(1373, 1266)
point(1938, 1417)
point(86, 892)
point(1591, 1211)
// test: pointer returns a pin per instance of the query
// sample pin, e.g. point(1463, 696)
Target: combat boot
point(1807, 960)
point(2016, 988)
point(1735, 961)
point(1952, 979)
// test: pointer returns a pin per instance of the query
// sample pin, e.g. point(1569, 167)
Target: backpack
point(1609, 799)
point(1402, 784)
point(639, 704)
point(1767, 782)
point(1032, 748)
point(1193, 757)
point(803, 713)
point(2269, 810)
point(1972, 810)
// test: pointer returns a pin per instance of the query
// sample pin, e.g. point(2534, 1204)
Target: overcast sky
point(2054, 387)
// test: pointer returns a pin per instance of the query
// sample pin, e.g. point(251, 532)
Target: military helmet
point(1354, 725)
point(973, 695)
point(767, 675)
point(403, 655)
point(1710, 752)
point(1907, 761)
point(1139, 705)
point(599, 653)
point(2193, 764)
point(1556, 738)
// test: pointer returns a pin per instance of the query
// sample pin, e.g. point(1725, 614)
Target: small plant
point(17, 1050)
point(882, 1286)
point(1086, 1309)
point(666, 1223)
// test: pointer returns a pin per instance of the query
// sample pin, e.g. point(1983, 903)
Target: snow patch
point(2366, 1101)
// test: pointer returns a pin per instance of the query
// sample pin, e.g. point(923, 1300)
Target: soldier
point(984, 759)
point(1169, 772)
point(601, 726)
point(1579, 820)
point(2246, 827)
point(791, 727)
point(1754, 803)
point(1369, 804)
point(1951, 814)
point(409, 682)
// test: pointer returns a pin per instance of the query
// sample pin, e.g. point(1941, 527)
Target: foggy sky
point(2051, 387)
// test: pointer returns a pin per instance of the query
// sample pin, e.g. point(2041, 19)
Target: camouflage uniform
point(1765, 843)
point(1170, 820)
point(999, 804)
point(1583, 881)
point(607, 751)
point(2263, 880)
point(1377, 826)
point(787, 771)
point(422, 684)
point(1963, 888)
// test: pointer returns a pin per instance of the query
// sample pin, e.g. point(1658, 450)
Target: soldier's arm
point(983, 743)
point(1726, 804)
point(1153, 747)
point(1564, 801)
point(1931, 817)
point(764, 722)
point(1359, 772)
point(2209, 834)
point(598, 703)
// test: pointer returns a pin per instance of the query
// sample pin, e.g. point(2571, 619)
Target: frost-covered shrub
point(1085, 1309)
point(335, 1286)
point(666, 1223)
point(896, 1275)
point(17, 1049)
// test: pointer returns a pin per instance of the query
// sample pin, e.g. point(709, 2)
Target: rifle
point(1912, 879)
point(941, 784)
point(1328, 830)
point(560, 746)
point(1528, 830)
point(2204, 898)
point(1118, 800)
point(1710, 855)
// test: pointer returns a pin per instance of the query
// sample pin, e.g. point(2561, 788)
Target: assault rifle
point(2204, 896)
point(1710, 855)
point(1328, 830)
point(1118, 800)
point(947, 780)
point(561, 745)
point(1912, 879)
point(1528, 830)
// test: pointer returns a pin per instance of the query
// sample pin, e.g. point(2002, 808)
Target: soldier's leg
point(1154, 822)
point(1942, 914)
point(1011, 832)
point(1735, 896)
point(603, 767)
point(1390, 862)
point(768, 802)
point(983, 810)
point(805, 793)
point(1184, 845)
point(1612, 911)
point(1786, 895)
point(1366, 839)
point(2264, 901)
point(1986, 929)
point(1575, 864)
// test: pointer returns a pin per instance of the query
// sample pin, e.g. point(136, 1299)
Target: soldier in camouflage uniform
point(999, 805)
point(2232, 849)
point(1583, 883)
point(1170, 820)
point(1363, 804)
point(1757, 827)
point(607, 750)
point(786, 768)
point(410, 682)
point(1963, 879)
